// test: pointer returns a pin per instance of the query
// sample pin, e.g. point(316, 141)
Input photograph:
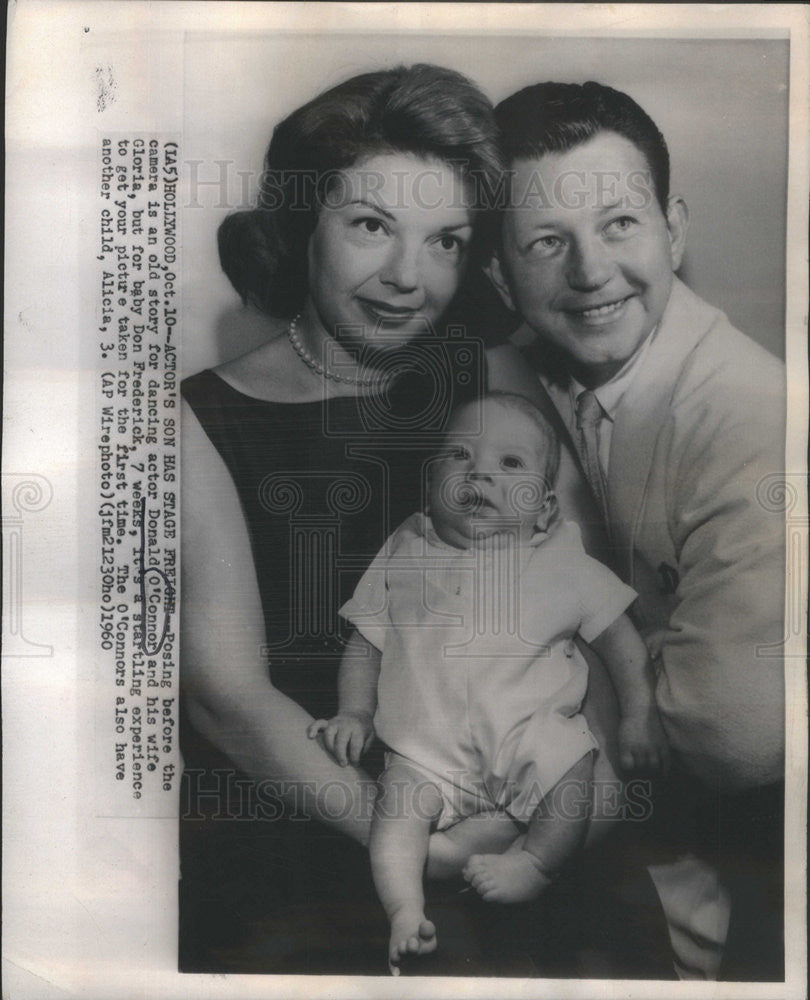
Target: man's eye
point(512, 462)
point(621, 225)
point(544, 246)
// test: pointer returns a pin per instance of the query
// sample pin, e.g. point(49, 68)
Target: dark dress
point(321, 486)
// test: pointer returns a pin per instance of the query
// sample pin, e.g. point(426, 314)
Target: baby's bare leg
point(557, 829)
point(406, 807)
point(450, 850)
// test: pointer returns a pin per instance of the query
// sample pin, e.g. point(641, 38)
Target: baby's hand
point(346, 737)
point(643, 746)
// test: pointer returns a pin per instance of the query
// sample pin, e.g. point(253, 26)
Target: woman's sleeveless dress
point(321, 486)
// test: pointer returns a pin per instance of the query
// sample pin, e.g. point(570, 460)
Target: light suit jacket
point(697, 441)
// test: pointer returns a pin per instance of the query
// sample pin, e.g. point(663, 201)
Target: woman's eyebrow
point(376, 208)
point(458, 225)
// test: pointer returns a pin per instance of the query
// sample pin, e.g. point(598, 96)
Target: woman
point(298, 458)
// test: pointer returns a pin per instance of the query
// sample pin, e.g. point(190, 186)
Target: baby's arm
point(557, 829)
point(642, 743)
point(348, 735)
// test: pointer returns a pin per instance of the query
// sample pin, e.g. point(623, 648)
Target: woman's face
point(388, 250)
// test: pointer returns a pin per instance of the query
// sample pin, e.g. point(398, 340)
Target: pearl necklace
point(320, 369)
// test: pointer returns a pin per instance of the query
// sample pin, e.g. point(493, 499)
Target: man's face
point(588, 255)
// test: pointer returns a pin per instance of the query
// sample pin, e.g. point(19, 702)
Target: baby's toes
point(474, 866)
point(396, 953)
point(480, 881)
point(427, 934)
point(399, 948)
point(483, 882)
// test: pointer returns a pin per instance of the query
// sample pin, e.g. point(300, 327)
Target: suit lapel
point(645, 408)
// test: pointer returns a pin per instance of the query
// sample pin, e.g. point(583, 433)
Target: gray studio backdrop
point(721, 103)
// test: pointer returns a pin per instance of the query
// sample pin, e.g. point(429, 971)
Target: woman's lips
point(388, 313)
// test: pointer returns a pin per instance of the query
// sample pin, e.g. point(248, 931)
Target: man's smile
point(603, 312)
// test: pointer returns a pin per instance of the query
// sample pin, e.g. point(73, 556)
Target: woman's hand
point(346, 737)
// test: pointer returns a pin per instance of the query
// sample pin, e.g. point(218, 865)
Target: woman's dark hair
point(555, 117)
point(423, 110)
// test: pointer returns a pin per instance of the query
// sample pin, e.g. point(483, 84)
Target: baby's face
point(491, 481)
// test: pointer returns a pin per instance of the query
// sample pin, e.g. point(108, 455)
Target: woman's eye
point(511, 462)
point(371, 225)
point(449, 248)
point(450, 243)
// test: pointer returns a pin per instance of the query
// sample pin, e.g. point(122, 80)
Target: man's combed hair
point(556, 117)
point(423, 110)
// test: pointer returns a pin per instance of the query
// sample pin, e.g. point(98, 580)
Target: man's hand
point(346, 737)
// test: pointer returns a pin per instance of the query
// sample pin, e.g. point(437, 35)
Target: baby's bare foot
point(513, 877)
point(411, 934)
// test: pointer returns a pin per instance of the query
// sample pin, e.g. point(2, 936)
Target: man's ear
point(677, 224)
point(494, 272)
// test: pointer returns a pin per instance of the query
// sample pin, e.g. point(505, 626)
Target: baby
point(463, 663)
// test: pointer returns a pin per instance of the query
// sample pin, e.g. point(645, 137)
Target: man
point(675, 417)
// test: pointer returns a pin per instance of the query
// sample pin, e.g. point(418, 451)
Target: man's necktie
point(589, 416)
